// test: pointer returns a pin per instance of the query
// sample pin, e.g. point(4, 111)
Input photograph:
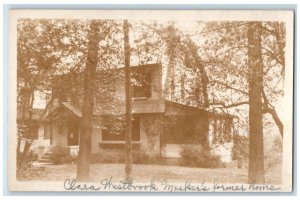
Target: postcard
point(150, 100)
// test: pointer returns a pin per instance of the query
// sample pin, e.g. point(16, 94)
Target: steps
point(47, 157)
point(53, 155)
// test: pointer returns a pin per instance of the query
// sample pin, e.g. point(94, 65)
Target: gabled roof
point(74, 109)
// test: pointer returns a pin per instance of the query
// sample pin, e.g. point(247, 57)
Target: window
point(118, 133)
point(222, 129)
point(141, 84)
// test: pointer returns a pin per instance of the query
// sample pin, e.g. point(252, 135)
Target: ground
point(144, 173)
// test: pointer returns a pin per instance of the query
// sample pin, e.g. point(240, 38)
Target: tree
point(160, 42)
point(128, 160)
point(232, 52)
point(224, 54)
point(38, 60)
point(256, 145)
point(88, 102)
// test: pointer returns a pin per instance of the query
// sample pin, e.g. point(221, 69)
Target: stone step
point(45, 160)
point(48, 154)
point(41, 163)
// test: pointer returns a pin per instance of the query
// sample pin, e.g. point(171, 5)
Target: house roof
point(149, 106)
point(143, 106)
point(138, 107)
point(74, 109)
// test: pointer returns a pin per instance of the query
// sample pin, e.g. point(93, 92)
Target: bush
point(109, 156)
point(198, 156)
point(62, 155)
point(144, 157)
point(25, 169)
point(274, 156)
point(59, 151)
point(240, 150)
point(28, 172)
point(115, 156)
point(64, 159)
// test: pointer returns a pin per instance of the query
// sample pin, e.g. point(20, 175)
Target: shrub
point(240, 150)
point(29, 172)
point(59, 151)
point(273, 157)
point(62, 155)
point(25, 169)
point(144, 157)
point(64, 159)
point(115, 156)
point(109, 156)
point(194, 155)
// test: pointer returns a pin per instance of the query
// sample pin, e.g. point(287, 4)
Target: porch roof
point(146, 107)
point(138, 107)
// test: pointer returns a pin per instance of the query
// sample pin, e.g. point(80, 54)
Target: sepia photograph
point(150, 100)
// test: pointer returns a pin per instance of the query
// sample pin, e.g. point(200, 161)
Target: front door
point(73, 133)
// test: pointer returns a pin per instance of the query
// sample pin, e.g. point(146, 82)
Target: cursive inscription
point(187, 187)
point(127, 185)
point(71, 184)
point(107, 184)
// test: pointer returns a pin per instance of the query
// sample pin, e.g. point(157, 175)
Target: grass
point(144, 173)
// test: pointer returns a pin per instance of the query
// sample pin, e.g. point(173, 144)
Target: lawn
point(144, 173)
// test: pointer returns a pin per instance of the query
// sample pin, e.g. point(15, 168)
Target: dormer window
point(141, 85)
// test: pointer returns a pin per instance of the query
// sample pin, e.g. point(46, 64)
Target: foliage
point(146, 157)
point(25, 170)
point(199, 156)
point(108, 156)
point(225, 56)
point(165, 43)
point(274, 155)
point(115, 156)
point(240, 150)
point(60, 155)
point(64, 159)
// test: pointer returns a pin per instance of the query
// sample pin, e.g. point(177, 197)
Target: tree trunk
point(83, 167)
point(128, 145)
point(18, 152)
point(28, 132)
point(256, 145)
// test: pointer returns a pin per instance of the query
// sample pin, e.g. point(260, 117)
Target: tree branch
point(230, 87)
point(268, 108)
point(231, 105)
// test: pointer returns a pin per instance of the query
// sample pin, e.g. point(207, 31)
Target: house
point(159, 126)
